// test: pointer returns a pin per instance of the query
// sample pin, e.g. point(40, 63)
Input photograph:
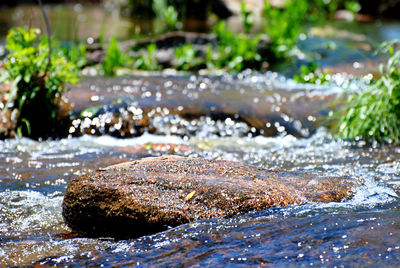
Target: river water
point(362, 231)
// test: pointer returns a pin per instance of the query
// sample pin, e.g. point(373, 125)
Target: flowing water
point(362, 231)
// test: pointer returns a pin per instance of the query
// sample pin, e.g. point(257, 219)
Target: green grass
point(168, 14)
point(186, 59)
point(283, 26)
point(234, 52)
point(114, 58)
point(147, 60)
point(374, 114)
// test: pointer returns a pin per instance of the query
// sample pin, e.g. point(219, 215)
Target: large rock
point(152, 194)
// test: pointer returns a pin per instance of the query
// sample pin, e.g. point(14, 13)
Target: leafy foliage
point(37, 83)
point(186, 57)
point(248, 18)
point(114, 58)
point(73, 52)
point(234, 51)
point(374, 114)
point(320, 10)
point(352, 6)
point(310, 74)
point(284, 25)
point(148, 60)
point(167, 13)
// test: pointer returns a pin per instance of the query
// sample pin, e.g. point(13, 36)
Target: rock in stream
point(129, 107)
point(152, 194)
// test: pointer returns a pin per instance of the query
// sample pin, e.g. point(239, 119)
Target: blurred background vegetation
point(118, 36)
point(130, 18)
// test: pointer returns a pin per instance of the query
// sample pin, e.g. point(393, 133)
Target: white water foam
point(141, 140)
point(26, 211)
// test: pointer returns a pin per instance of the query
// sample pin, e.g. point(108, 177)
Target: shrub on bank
point(37, 83)
point(374, 114)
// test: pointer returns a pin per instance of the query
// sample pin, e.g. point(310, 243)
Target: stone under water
point(152, 194)
point(129, 107)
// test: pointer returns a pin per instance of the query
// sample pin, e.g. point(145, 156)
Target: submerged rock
point(129, 106)
point(152, 194)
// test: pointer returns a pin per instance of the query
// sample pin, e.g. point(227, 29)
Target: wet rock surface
point(7, 119)
point(7, 124)
point(155, 193)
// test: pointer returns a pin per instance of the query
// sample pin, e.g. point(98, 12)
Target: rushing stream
point(362, 231)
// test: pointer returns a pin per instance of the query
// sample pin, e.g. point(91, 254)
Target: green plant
point(284, 25)
point(167, 13)
point(114, 58)
point(320, 10)
point(374, 114)
point(311, 74)
point(234, 52)
point(148, 59)
point(352, 6)
point(37, 83)
point(248, 18)
point(186, 57)
point(73, 52)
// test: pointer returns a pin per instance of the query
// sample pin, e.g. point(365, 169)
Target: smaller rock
point(7, 116)
point(7, 124)
point(152, 194)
